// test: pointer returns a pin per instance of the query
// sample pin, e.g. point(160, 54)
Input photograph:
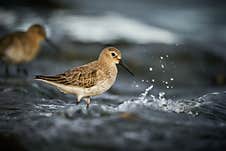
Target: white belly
point(98, 89)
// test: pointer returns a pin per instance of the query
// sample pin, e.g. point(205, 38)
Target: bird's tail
point(52, 80)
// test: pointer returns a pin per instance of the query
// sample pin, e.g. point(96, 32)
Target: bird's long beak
point(50, 43)
point(125, 67)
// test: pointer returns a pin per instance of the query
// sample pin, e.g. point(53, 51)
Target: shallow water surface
point(38, 117)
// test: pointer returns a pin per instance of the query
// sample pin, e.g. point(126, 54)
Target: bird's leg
point(21, 68)
point(18, 69)
point(5, 66)
point(6, 69)
point(78, 100)
point(24, 69)
point(25, 72)
point(87, 99)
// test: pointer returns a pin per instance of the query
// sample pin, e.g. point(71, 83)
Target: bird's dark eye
point(113, 54)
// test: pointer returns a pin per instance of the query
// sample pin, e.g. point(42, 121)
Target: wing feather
point(8, 40)
point(85, 76)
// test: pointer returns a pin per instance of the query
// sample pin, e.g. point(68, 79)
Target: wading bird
point(22, 46)
point(90, 79)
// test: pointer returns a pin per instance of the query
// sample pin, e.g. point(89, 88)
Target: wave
point(109, 28)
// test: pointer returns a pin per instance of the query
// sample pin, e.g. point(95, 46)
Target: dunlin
point(22, 46)
point(90, 79)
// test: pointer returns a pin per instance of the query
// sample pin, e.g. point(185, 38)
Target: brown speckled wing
point(84, 76)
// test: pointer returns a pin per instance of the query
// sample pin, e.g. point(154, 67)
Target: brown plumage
point(85, 76)
point(23, 46)
point(90, 79)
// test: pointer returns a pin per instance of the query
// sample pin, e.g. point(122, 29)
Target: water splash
point(145, 93)
point(159, 102)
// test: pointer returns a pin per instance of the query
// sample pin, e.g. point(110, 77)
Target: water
point(35, 114)
point(175, 102)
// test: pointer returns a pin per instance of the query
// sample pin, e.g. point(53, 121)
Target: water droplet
point(153, 80)
point(161, 95)
point(167, 87)
point(137, 86)
point(161, 57)
point(162, 66)
point(171, 79)
point(190, 113)
point(167, 56)
point(150, 69)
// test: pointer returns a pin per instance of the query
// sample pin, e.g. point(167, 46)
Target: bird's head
point(37, 31)
point(112, 55)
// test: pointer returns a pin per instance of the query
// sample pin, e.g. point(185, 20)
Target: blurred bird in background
point(21, 47)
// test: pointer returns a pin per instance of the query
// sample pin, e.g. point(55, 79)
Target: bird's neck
point(32, 48)
point(33, 38)
point(108, 67)
point(105, 62)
